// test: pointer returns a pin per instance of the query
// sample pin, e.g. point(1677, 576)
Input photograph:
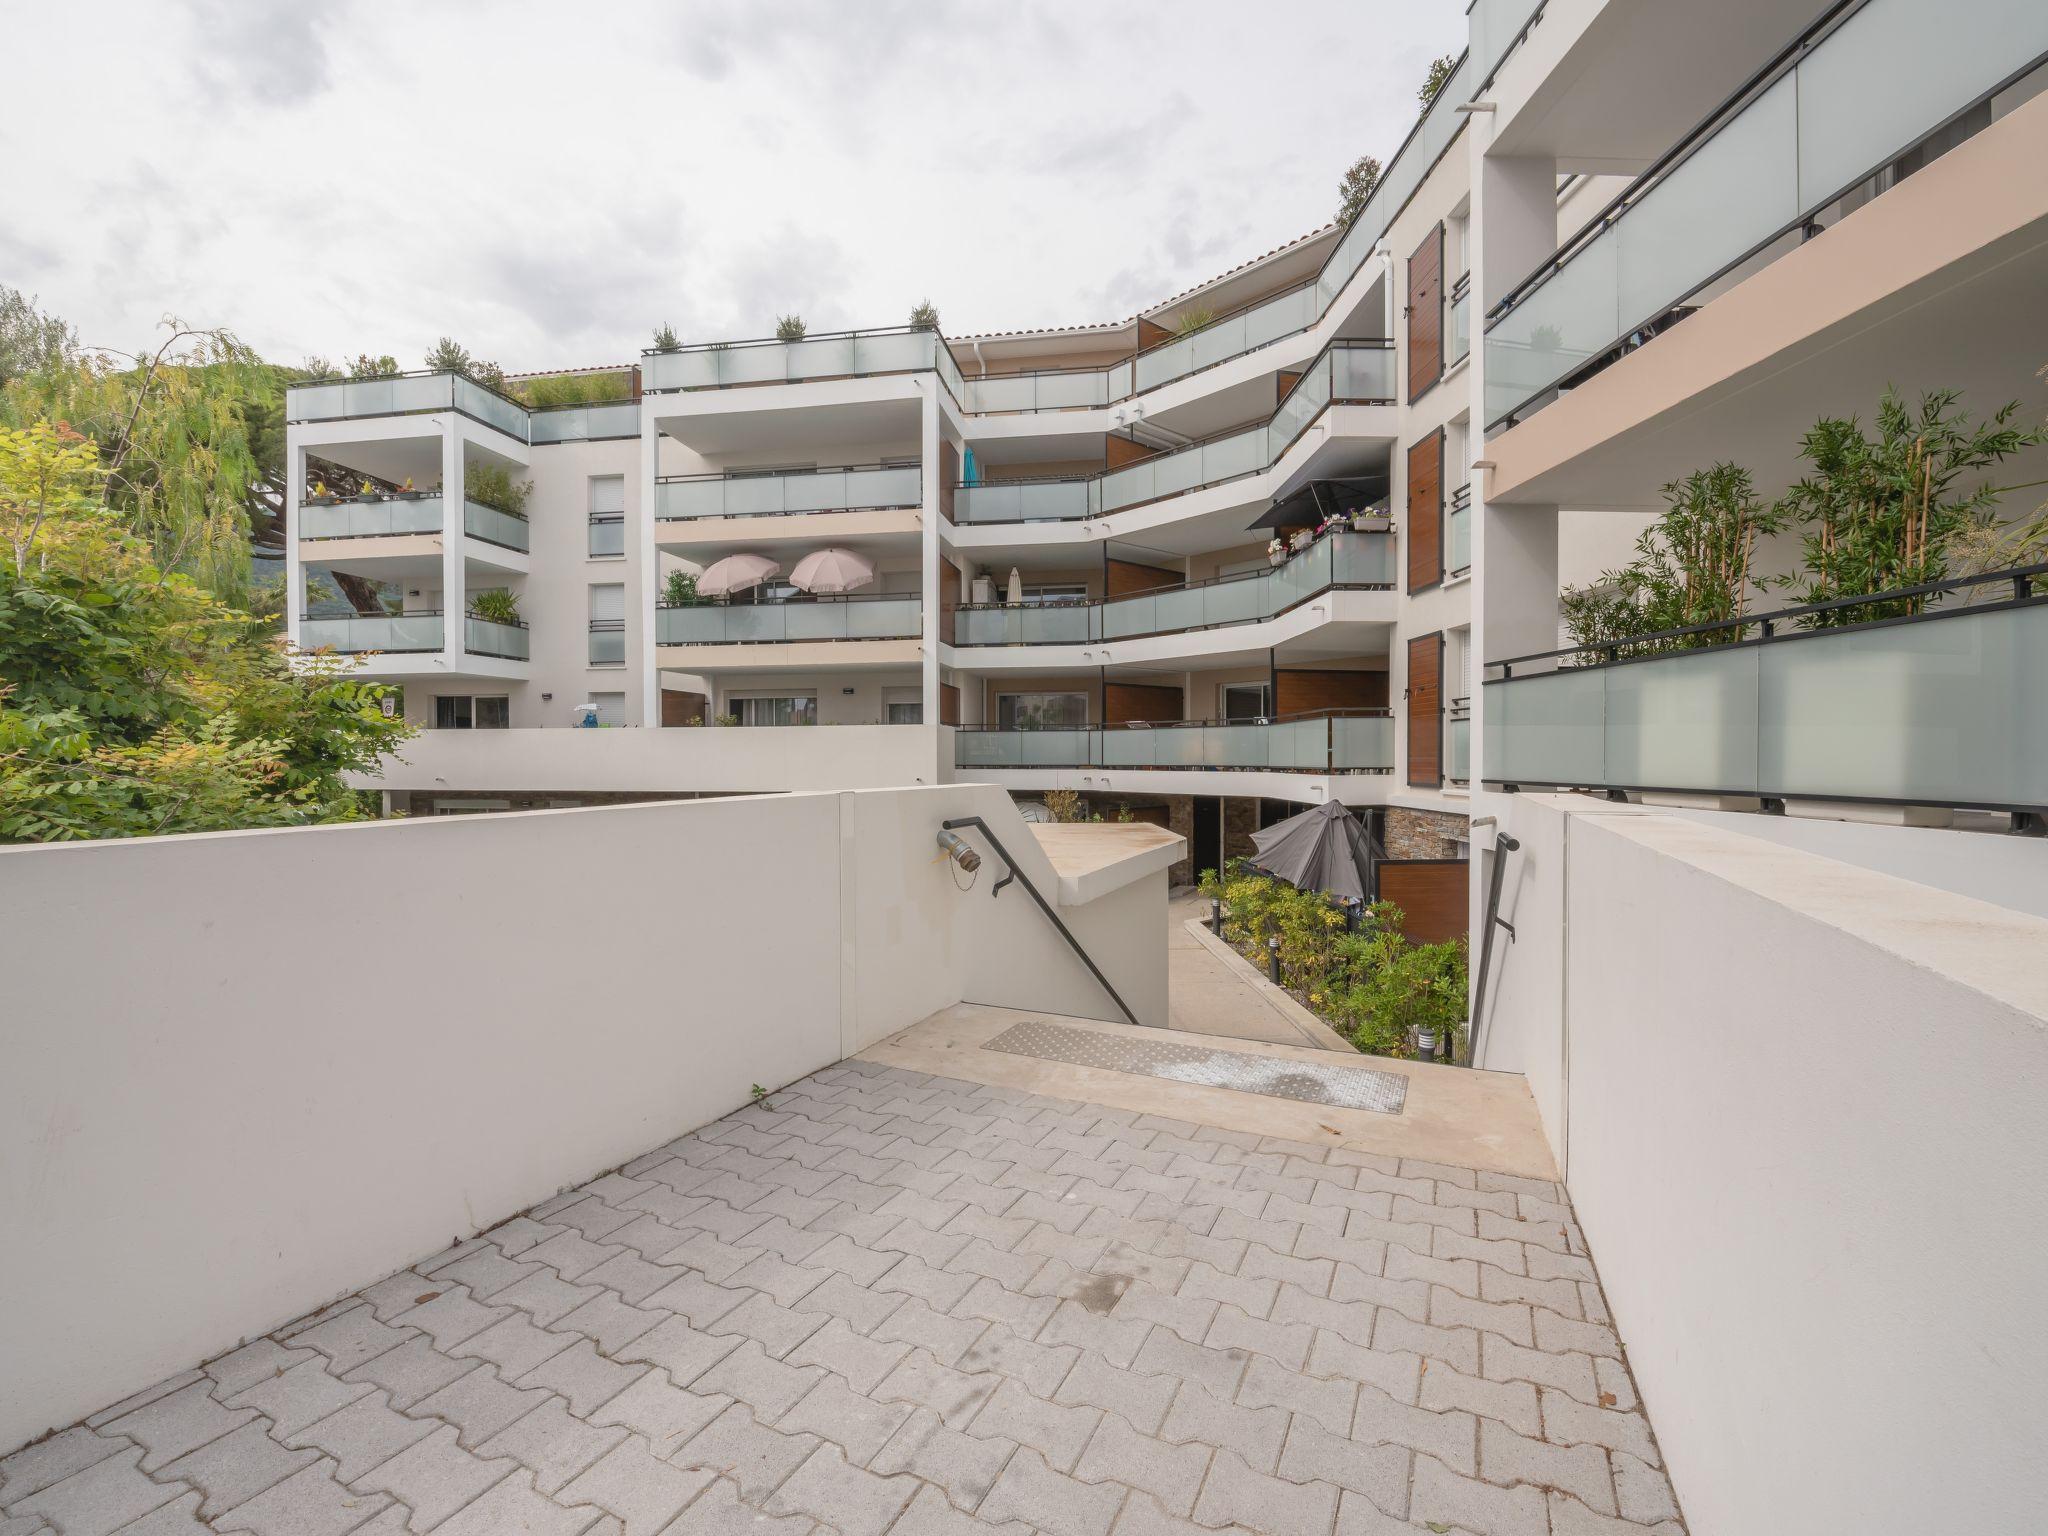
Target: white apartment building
point(1474, 390)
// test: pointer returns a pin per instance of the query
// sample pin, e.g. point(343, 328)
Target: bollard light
point(1216, 916)
point(1273, 957)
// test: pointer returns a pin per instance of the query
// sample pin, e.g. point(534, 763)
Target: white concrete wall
point(242, 1074)
point(1799, 1105)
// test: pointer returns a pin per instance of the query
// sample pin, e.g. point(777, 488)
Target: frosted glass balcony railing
point(848, 618)
point(1856, 93)
point(1056, 390)
point(1360, 560)
point(406, 394)
point(846, 354)
point(1284, 314)
point(1493, 27)
point(1345, 372)
point(586, 423)
point(1458, 532)
point(505, 529)
point(1343, 743)
point(853, 489)
point(607, 642)
point(486, 637)
point(395, 633)
point(1458, 747)
point(386, 517)
point(1938, 710)
point(1458, 323)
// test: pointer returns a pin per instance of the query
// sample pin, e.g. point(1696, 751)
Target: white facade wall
point(199, 1141)
point(1798, 1105)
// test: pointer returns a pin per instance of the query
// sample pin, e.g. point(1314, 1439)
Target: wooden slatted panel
point(1431, 894)
point(1140, 701)
point(1425, 712)
point(1426, 313)
point(1125, 577)
point(1119, 451)
point(681, 708)
point(1425, 530)
point(1299, 691)
point(949, 704)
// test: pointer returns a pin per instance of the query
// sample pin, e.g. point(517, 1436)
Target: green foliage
point(1692, 566)
point(1884, 513)
point(789, 328)
point(449, 356)
point(490, 484)
point(1193, 319)
point(318, 370)
point(384, 366)
point(555, 389)
point(665, 339)
point(1434, 80)
point(31, 342)
point(679, 590)
point(924, 316)
point(1373, 985)
point(1067, 805)
point(1357, 185)
point(497, 605)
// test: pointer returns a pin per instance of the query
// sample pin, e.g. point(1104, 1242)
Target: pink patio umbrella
point(832, 570)
point(736, 573)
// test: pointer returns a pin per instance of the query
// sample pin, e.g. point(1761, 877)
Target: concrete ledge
point(1279, 997)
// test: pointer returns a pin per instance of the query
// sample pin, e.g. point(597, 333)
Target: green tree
point(789, 328)
point(1436, 78)
point(924, 316)
point(665, 339)
point(1883, 513)
point(1357, 185)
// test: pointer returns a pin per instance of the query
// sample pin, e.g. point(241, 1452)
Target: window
point(1040, 711)
point(607, 514)
point(1055, 592)
point(1245, 701)
point(611, 708)
point(777, 709)
point(608, 625)
point(464, 712)
point(903, 706)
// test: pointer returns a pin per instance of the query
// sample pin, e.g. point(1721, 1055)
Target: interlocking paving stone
point(894, 1298)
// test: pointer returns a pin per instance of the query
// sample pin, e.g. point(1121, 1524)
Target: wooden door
point(1425, 712)
point(1425, 533)
point(1426, 313)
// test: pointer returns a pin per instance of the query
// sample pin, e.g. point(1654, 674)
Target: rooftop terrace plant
point(665, 338)
point(789, 328)
point(560, 389)
point(496, 605)
point(492, 485)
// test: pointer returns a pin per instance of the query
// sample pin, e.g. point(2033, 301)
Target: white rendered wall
point(1803, 1129)
point(242, 1074)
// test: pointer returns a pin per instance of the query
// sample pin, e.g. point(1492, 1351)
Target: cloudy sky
point(547, 182)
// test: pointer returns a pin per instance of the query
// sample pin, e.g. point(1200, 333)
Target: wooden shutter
point(1431, 894)
point(1426, 313)
point(1426, 512)
point(1425, 712)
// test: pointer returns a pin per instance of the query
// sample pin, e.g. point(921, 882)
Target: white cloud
point(547, 184)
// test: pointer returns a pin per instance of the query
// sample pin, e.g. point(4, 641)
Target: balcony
point(850, 488)
point(488, 637)
point(1458, 323)
point(584, 423)
point(798, 620)
point(1458, 532)
point(404, 395)
point(1350, 742)
point(1346, 373)
point(507, 530)
point(1354, 561)
point(1934, 708)
point(840, 355)
point(393, 634)
point(392, 516)
point(1853, 95)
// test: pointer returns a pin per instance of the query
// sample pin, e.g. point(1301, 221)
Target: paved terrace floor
point(890, 1300)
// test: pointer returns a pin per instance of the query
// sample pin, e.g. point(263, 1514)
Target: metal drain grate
point(1275, 1076)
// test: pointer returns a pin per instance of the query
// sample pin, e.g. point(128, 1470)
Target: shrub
point(1066, 805)
point(789, 328)
point(495, 604)
point(923, 317)
point(1188, 321)
point(665, 339)
point(679, 590)
point(492, 485)
point(557, 389)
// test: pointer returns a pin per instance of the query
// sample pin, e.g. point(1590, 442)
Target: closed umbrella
point(736, 573)
point(1015, 596)
point(1322, 849)
point(832, 570)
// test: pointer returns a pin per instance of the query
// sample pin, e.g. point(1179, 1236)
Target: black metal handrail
point(1017, 874)
point(1373, 713)
point(410, 613)
point(776, 474)
point(790, 341)
point(2021, 577)
point(808, 597)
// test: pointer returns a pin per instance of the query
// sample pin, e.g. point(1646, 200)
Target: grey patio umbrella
point(1322, 849)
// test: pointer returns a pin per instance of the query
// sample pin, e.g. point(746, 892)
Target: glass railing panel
point(681, 370)
point(886, 618)
point(1362, 373)
point(947, 366)
point(1029, 501)
point(893, 353)
point(493, 526)
point(765, 363)
point(482, 637)
point(1458, 330)
point(1684, 721)
point(1121, 378)
point(1130, 485)
point(392, 632)
point(1002, 394)
point(689, 498)
point(1494, 26)
point(1362, 559)
point(1458, 535)
point(472, 399)
point(1228, 457)
point(1237, 601)
point(1556, 330)
point(755, 495)
point(607, 536)
point(607, 647)
point(1941, 712)
point(1545, 729)
point(368, 519)
point(1058, 748)
point(752, 623)
point(315, 402)
point(1127, 616)
point(1180, 608)
point(1742, 185)
point(699, 625)
point(1298, 745)
point(1299, 576)
point(583, 423)
point(1458, 749)
point(895, 486)
point(823, 358)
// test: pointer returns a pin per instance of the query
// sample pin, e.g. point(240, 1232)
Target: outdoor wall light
point(958, 851)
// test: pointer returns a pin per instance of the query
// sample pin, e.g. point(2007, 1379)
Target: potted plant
point(789, 328)
point(494, 605)
point(1276, 551)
